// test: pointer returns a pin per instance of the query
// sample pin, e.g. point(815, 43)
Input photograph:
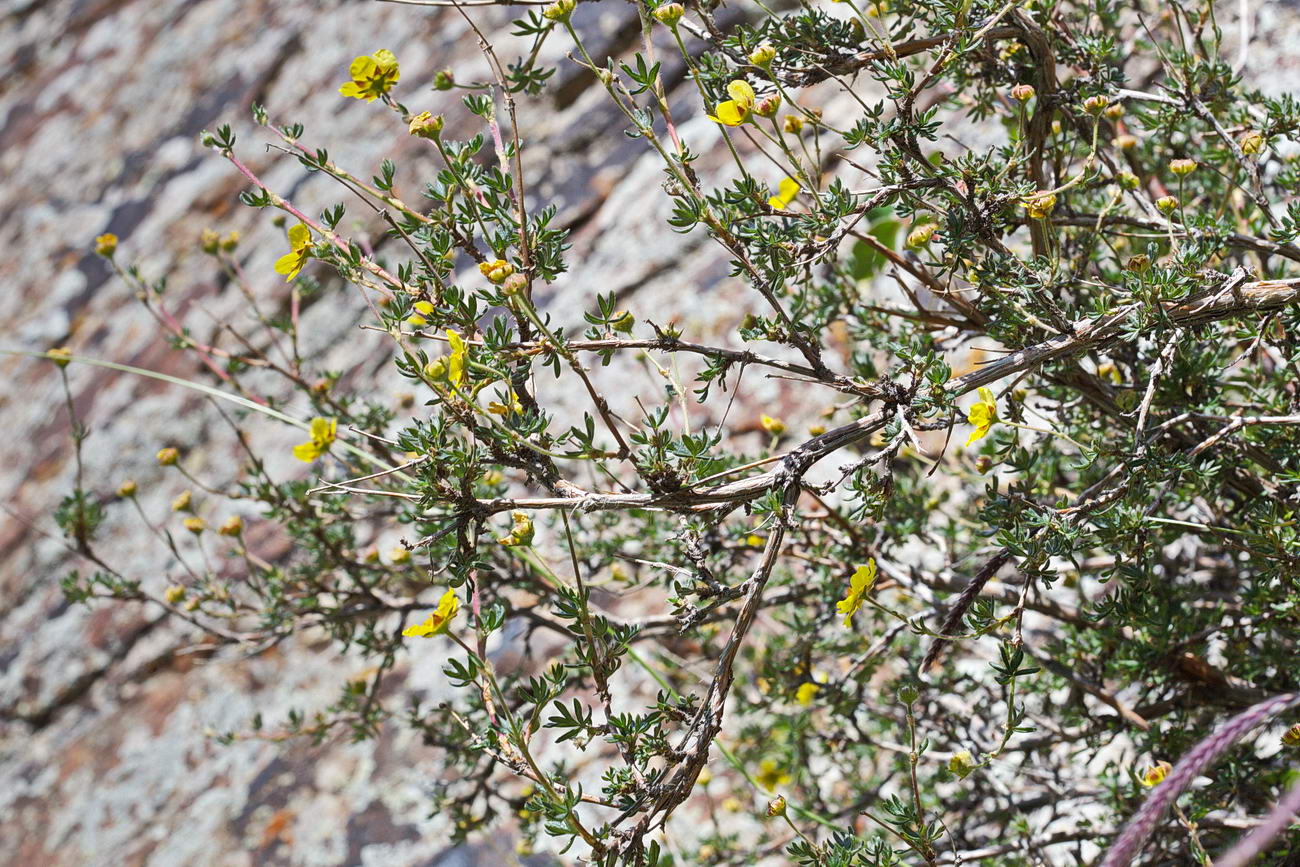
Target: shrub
point(1020, 527)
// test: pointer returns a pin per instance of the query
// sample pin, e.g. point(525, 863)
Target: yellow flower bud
point(182, 503)
point(774, 426)
point(1022, 92)
point(776, 807)
point(1252, 142)
point(399, 556)
point(961, 764)
point(514, 284)
point(763, 55)
point(669, 14)
point(1167, 204)
point(793, 124)
point(444, 79)
point(921, 235)
point(60, 355)
point(1138, 264)
point(209, 242)
point(1125, 142)
point(426, 125)
point(168, 457)
point(1095, 105)
point(623, 322)
point(1127, 180)
point(1182, 167)
point(230, 242)
point(496, 271)
point(195, 525)
point(1291, 737)
point(1114, 112)
point(126, 490)
point(436, 368)
point(106, 245)
point(560, 10)
point(768, 106)
point(234, 526)
point(174, 594)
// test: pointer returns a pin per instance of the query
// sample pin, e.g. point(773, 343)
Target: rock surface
point(105, 756)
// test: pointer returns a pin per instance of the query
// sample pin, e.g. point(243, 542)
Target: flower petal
point(362, 67)
point(741, 92)
point(289, 265)
point(299, 237)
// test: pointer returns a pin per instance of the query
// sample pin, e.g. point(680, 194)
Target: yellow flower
point(770, 776)
point(106, 245)
point(1039, 205)
point(174, 594)
point(521, 532)
point(372, 76)
point(299, 252)
point(126, 489)
point(60, 355)
point(804, 694)
point(168, 457)
point(859, 586)
point(774, 426)
point(786, 191)
point(1182, 167)
point(961, 763)
point(183, 502)
point(793, 123)
point(496, 271)
point(735, 111)
point(426, 125)
point(322, 437)
point(439, 620)
point(456, 363)
point(234, 526)
point(195, 525)
point(1155, 775)
point(982, 415)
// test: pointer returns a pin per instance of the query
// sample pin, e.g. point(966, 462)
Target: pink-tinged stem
point(330, 236)
point(205, 351)
point(1124, 850)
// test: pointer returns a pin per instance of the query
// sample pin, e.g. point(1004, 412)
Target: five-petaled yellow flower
point(983, 415)
point(372, 76)
point(735, 111)
point(786, 191)
point(299, 252)
point(322, 437)
point(1155, 775)
point(859, 586)
point(439, 620)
